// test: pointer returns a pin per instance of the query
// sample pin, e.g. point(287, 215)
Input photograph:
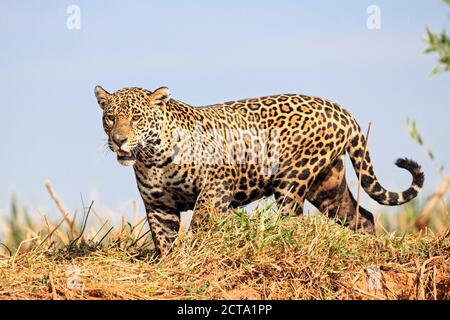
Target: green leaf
point(435, 71)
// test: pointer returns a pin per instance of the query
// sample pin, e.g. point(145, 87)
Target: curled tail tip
point(414, 168)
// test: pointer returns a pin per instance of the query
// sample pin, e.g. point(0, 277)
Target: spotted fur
point(227, 155)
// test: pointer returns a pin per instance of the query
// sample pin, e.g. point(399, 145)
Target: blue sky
point(205, 52)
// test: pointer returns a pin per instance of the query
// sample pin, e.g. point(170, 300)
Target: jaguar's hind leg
point(331, 195)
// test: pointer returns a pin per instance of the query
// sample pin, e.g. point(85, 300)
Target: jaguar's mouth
point(125, 155)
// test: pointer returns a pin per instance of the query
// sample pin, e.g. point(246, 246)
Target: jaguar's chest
point(174, 186)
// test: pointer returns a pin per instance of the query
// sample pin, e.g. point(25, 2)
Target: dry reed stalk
point(360, 176)
point(61, 208)
point(423, 219)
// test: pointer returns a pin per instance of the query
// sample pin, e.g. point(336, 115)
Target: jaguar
point(214, 158)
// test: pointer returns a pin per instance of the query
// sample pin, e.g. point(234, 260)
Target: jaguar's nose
point(119, 139)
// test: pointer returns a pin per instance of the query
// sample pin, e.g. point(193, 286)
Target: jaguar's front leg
point(164, 225)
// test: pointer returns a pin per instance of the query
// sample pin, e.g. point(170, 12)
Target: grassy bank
point(245, 256)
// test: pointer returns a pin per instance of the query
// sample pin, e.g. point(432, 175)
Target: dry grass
point(256, 256)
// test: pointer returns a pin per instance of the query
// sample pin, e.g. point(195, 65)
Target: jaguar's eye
point(109, 118)
point(136, 118)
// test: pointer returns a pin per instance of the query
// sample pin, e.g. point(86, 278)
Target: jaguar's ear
point(102, 96)
point(160, 96)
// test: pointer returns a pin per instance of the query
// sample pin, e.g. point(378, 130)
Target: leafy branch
point(417, 137)
point(439, 42)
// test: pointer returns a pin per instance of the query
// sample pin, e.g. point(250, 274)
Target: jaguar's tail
point(369, 181)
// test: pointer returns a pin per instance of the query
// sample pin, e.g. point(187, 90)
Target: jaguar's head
point(132, 119)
